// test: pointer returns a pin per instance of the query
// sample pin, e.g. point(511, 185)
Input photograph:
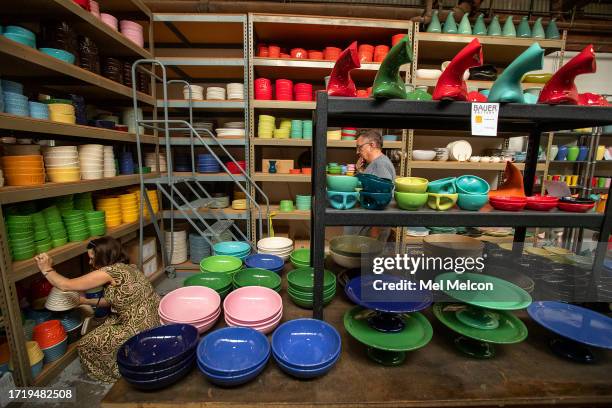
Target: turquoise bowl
point(374, 184)
point(342, 183)
point(59, 54)
point(471, 185)
point(442, 186)
point(22, 39)
point(374, 201)
point(11, 29)
point(55, 352)
point(342, 200)
point(472, 202)
point(37, 368)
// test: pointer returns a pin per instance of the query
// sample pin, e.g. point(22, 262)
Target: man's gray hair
point(373, 137)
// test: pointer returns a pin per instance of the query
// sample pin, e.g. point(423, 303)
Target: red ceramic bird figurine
point(561, 89)
point(340, 82)
point(451, 84)
point(592, 99)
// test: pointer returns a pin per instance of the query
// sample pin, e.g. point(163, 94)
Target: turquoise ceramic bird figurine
point(479, 26)
point(538, 30)
point(507, 87)
point(552, 32)
point(388, 82)
point(464, 25)
point(434, 25)
point(450, 26)
point(524, 31)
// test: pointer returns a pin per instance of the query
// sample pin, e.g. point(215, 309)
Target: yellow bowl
point(411, 184)
point(61, 108)
point(63, 119)
point(64, 177)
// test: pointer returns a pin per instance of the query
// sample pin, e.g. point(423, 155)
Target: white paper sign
point(484, 119)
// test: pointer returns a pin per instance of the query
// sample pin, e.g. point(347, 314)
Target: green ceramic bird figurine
point(552, 32)
point(538, 30)
point(388, 82)
point(509, 30)
point(479, 26)
point(494, 27)
point(434, 25)
point(450, 26)
point(524, 31)
point(507, 87)
point(464, 25)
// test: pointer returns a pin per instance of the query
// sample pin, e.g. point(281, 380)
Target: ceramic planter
point(464, 25)
point(538, 30)
point(479, 26)
point(509, 30)
point(552, 32)
point(494, 27)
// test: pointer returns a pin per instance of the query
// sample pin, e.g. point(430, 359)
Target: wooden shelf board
point(209, 176)
point(291, 105)
point(477, 84)
point(200, 29)
point(29, 65)
point(14, 194)
point(347, 144)
point(288, 178)
point(291, 215)
point(48, 127)
point(234, 105)
point(51, 371)
point(453, 165)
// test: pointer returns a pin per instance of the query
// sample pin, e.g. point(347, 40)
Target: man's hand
point(361, 164)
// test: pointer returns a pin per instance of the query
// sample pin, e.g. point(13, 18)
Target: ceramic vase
point(507, 87)
point(464, 25)
point(538, 30)
point(524, 31)
point(509, 30)
point(451, 84)
point(601, 152)
point(388, 82)
point(584, 152)
point(572, 153)
point(552, 154)
point(494, 27)
point(450, 26)
point(272, 166)
point(340, 82)
point(479, 26)
point(434, 25)
point(552, 32)
point(562, 153)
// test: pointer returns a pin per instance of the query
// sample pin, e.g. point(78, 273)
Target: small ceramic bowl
point(441, 202)
point(342, 183)
point(410, 201)
point(442, 186)
point(511, 203)
point(411, 184)
point(428, 73)
point(541, 203)
point(475, 159)
point(423, 155)
point(374, 201)
point(342, 200)
point(472, 202)
point(471, 185)
point(373, 184)
point(575, 204)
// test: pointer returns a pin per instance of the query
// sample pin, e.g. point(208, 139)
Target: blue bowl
point(4, 368)
point(10, 96)
point(469, 184)
point(232, 380)
point(162, 382)
point(472, 202)
point(374, 184)
point(54, 353)
point(374, 201)
point(390, 138)
point(39, 316)
point(306, 343)
point(11, 86)
point(342, 200)
point(233, 350)
point(306, 373)
point(158, 348)
point(16, 112)
point(265, 261)
point(70, 319)
point(232, 247)
point(59, 54)
point(12, 29)
point(143, 375)
point(37, 368)
point(22, 39)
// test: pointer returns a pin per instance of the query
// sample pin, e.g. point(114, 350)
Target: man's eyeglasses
point(363, 144)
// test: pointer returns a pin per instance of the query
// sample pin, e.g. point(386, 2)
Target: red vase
point(340, 82)
point(451, 84)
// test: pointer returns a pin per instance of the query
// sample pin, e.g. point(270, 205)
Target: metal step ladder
point(168, 185)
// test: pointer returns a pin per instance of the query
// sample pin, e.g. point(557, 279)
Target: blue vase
point(562, 153)
point(272, 166)
point(584, 152)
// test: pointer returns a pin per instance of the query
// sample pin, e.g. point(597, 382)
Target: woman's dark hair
point(107, 251)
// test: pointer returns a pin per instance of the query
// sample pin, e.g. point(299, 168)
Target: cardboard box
point(150, 267)
point(149, 249)
point(282, 166)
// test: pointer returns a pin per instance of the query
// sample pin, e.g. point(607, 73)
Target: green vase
point(572, 153)
point(494, 27)
point(479, 27)
point(388, 82)
point(552, 32)
point(538, 30)
point(509, 30)
point(464, 25)
point(434, 25)
point(507, 87)
point(450, 26)
point(524, 31)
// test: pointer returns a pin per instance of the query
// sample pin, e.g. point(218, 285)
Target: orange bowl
point(49, 333)
point(22, 159)
point(24, 180)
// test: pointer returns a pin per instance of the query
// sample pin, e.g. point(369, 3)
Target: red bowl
point(273, 51)
point(306, 170)
point(40, 289)
point(508, 203)
point(575, 207)
point(362, 93)
point(314, 54)
point(541, 203)
point(49, 333)
point(295, 171)
point(299, 53)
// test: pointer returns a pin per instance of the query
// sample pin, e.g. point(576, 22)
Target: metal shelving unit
point(534, 119)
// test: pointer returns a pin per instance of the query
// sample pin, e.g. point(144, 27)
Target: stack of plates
point(215, 93)
point(234, 125)
point(178, 241)
point(23, 170)
point(239, 249)
point(151, 161)
point(91, 157)
point(112, 210)
point(129, 207)
point(265, 128)
point(75, 223)
point(110, 169)
point(126, 163)
point(307, 129)
point(300, 257)
point(129, 119)
point(199, 248)
point(16, 104)
point(52, 339)
point(21, 236)
point(219, 282)
point(239, 204)
point(235, 91)
point(65, 203)
point(229, 132)
point(197, 92)
point(198, 306)
point(303, 202)
point(279, 246)
point(459, 150)
point(224, 264)
point(11, 86)
point(62, 163)
point(255, 307)
point(20, 35)
point(132, 31)
point(200, 127)
point(60, 301)
point(153, 200)
point(110, 21)
point(219, 201)
point(283, 130)
point(62, 112)
point(39, 110)
point(264, 261)
point(208, 164)
point(335, 134)
point(55, 225)
point(59, 54)
point(301, 283)
point(96, 223)
point(83, 201)
point(42, 238)
point(257, 277)
point(296, 129)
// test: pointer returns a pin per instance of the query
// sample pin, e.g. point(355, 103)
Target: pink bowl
point(211, 318)
point(252, 304)
point(190, 304)
point(109, 20)
point(275, 319)
point(127, 24)
point(265, 329)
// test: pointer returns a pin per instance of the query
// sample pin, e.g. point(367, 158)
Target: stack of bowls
point(199, 248)
point(300, 258)
point(61, 55)
point(347, 250)
point(62, 112)
point(473, 192)
point(198, 306)
point(158, 357)
point(130, 116)
point(151, 161)
point(126, 163)
point(341, 192)
point(301, 284)
point(75, 223)
point(20, 35)
point(224, 264)
point(110, 169)
point(265, 261)
point(129, 207)
point(96, 223)
point(52, 339)
point(21, 236)
point(239, 204)
point(303, 202)
point(72, 322)
point(303, 91)
point(60, 301)
point(178, 241)
point(38, 110)
point(263, 89)
point(411, 192)
point(233, 356)
point(283, 90)
point(296, 129)
point(306, 348)
point(42, 238)
point(55, 226)
point(219, 282)
point(208, 164)
point(153, 199)
point(283, 129)
point(112, 210)
point(376, 193)
point(36, 357)
point(91, 157)
point(235, 91)
point(62, 164)
point(110, 21)
point(265, 127)
point(253, 306)
point(65, 203)
point(215, 93)
point(257, 277)
point(239, 249)
point(23, 170)
point(197, 92)
point(132, 31)
point(279, 246)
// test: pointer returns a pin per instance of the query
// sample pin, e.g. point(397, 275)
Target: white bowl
point(346, 261)
point(423, 155)
point(428, 73)
point(475, 159)
point(485, 159)
point(274, 243)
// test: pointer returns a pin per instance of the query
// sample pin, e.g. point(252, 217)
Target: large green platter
point(504, 296)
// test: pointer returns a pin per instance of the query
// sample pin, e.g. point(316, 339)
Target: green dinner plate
point(257, 277)
point(510, 329)
point(303, 279)
point(504, 296)
point(417, 331)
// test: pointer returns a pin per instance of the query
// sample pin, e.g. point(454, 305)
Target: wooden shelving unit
point(287, 105)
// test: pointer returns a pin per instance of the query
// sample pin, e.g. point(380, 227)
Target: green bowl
point(19, 235)
point(58, 235)
point(18, 219)
point(257, 277)
point(303, 279)
point(94, 214)
point(410, 201)
point(301, 256)
point(226, 292)
point(217, 281)
point(297, 265)
point(310, 296)
point(22, 256)
point(73, 214)
point(21, 241)
point(58, 242)
point(40, 235)
point(43, 248)
point(307, 304)
point(98, 232)
point(58, 225)
point(342, 183)
point(220, 263)
point(20, 228)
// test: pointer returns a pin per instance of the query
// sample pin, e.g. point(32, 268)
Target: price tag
point(484, 119)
